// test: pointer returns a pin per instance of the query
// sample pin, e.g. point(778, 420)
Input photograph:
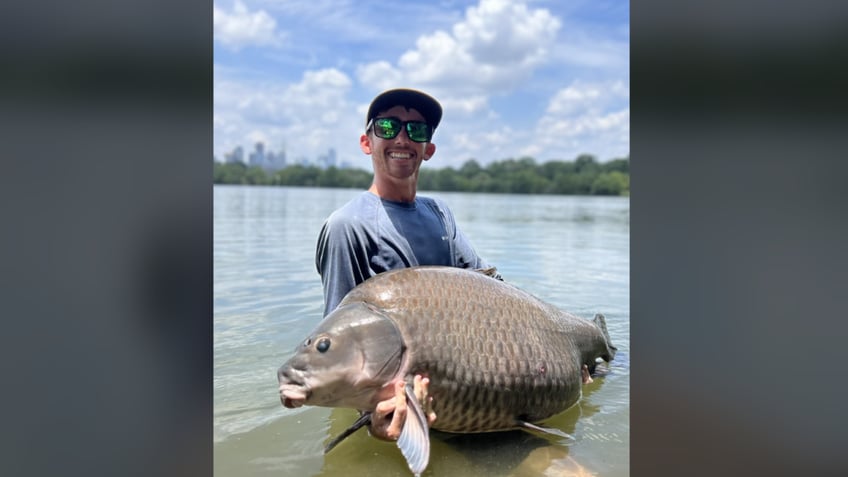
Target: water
point(570, 251)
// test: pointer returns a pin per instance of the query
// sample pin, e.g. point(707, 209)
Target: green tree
point(481, 182)
point(582, 176)
point(229, 173)
point(357, 178)
point(527, 181)
point(448, 180)
point(426, 179)
point(255, 175)
point(330, 177)
point(470, 169)
point(567, 184)
point(298, 175)
point(620, 165)
point(554, 168)
point(586, 163)
point(611, 183)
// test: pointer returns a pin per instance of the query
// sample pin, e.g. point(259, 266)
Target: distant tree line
point(583, 176)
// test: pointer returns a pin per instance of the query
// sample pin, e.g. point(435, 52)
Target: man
point(389, 226)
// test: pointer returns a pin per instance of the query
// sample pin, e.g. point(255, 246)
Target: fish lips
point(293, 395)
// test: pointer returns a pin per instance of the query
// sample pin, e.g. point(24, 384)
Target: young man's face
point(399, 157)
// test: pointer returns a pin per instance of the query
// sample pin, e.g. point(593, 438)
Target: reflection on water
point(570, 251)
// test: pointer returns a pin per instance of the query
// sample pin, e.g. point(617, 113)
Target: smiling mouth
point(400, 155)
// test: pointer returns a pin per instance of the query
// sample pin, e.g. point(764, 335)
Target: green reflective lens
point(386, 128)
point(389, 128)
point(418, 132)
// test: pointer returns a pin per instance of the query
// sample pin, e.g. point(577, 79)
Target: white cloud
point(480, 145)
point(241, 28)
point(592, 118)
point(587, 97)
point(494, 48)
point(506, 33)
point(467, 104)
point(380, 75)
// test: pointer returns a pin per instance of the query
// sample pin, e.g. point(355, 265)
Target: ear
point(365, 144)
point(429, 150)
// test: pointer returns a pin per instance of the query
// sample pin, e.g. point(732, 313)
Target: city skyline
point(271, 161)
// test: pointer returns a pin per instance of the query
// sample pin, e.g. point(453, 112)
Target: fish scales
point(494, 353)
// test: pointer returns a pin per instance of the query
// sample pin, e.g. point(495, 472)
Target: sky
point(547, 79)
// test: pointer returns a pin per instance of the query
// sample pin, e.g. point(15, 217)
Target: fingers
point(584, 372)
point(389, 415)
point(421, 385)
point(400, 410)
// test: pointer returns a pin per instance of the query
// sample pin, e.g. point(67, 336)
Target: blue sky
point(546, 79)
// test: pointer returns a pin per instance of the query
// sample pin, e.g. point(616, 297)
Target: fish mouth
point(293, 395)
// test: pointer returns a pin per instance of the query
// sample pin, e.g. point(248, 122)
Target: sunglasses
point(389, 128)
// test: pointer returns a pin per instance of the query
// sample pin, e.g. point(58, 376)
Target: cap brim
point(410, 98)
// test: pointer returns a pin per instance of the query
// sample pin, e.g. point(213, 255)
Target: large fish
point(497, 357)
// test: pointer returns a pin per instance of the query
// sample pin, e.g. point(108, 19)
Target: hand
point(389, 415)
point(587, 378)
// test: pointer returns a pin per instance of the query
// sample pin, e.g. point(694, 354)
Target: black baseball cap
point(410, 98)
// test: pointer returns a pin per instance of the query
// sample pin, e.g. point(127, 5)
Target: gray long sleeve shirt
point(370, 235)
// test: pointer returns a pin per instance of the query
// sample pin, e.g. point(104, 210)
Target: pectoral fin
point(364, 419)
point(414, 441)
point(546, 430)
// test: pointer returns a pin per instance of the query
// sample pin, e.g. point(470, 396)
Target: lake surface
point(573, 252)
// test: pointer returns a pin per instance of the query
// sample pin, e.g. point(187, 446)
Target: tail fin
point(601, 323)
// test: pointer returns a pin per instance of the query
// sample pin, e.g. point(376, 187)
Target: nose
point(282, 374)
point(402, 136)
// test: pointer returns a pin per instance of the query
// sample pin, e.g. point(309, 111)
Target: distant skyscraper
point(257, 157)
point(270, 162)
point(280, 161)
point(236, 155)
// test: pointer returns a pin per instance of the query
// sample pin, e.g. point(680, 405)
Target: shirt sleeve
point(464, 255)
point(340, 260)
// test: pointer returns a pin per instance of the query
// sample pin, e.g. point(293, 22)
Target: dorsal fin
point(490, 272)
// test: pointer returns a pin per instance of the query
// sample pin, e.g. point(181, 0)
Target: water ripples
point(570, 251)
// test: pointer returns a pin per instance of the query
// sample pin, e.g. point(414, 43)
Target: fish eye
point(323, 345)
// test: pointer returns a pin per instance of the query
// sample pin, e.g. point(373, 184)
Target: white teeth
point(399, 155)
